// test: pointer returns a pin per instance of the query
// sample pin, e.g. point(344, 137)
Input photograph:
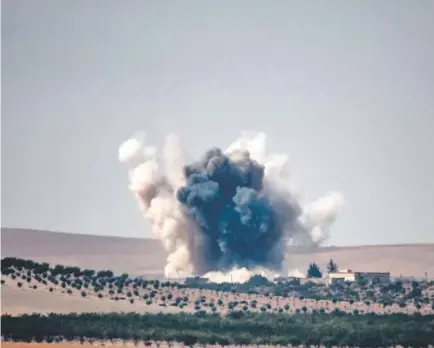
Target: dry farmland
point(26, 291)
point(32, 286)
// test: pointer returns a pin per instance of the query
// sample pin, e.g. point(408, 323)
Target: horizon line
point(156, 239)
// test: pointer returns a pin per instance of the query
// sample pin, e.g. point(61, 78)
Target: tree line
point(235, 328)
point(71, 278)
point(9, 263)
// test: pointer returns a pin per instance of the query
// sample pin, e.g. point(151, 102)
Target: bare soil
point(146, 257)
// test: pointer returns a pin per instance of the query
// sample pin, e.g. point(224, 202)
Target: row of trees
point(41, 268)
point(9, 263)
point(74, 278)
point(236, 328)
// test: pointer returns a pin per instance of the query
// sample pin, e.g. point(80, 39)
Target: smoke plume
point(228, 214)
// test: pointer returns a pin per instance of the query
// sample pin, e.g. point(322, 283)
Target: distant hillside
point(134, 255)
point(147, 257)
point(29, 243)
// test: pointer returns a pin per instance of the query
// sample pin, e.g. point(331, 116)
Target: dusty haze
point(229, 210)
point(147, 257)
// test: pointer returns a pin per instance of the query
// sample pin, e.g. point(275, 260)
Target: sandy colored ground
point(23, 300)
point(17, 301)
point(146, 257)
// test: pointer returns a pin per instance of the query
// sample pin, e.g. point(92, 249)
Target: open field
point(60, 287)
point(20, 300)
point(146, 257)
point(29, 287)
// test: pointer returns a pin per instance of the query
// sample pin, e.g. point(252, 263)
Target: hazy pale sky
point(345, 87)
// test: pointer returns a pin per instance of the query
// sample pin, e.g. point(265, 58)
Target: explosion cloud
point(231, 211)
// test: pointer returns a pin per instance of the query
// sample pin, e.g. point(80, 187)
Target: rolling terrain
point(146, 257)
point(32, 287)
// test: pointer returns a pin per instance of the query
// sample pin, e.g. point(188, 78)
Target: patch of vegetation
point(335, 329)
point(314, 271)
point(405, 297)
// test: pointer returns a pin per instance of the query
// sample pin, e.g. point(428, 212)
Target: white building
point(349, 275)
point(345, 275)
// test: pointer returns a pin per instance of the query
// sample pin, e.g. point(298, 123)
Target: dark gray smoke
point(224, 198)
point(230, 210)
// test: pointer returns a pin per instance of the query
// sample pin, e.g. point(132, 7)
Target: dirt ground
point(146, 257)
point(17, 300)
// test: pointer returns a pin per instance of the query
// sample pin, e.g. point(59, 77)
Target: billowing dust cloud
point(228, 215)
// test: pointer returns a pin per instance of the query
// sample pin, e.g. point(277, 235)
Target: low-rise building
point(196, 280)
point(334, 281)
point(380, 277)
point(349, 275)
point(313, 280)
point(345, 275)
point(287, 280)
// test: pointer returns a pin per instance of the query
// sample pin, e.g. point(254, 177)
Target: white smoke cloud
point(155, 185)
point(240, 275)
point(318, 216)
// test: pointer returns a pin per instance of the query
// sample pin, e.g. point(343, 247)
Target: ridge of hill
point(146, 256)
